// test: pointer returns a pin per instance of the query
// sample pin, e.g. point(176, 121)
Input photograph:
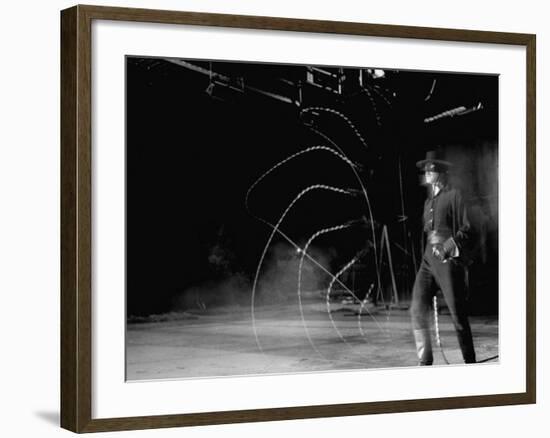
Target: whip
point(437, 335)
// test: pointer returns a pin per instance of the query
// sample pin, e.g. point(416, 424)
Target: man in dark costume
point(448, 237)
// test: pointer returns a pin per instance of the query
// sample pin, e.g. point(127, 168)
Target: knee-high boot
point(422, 338)
point(466, 344)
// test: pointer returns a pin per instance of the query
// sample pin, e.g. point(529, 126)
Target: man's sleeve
point(462, 228)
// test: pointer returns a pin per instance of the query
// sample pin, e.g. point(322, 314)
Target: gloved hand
point(450, 248)
point(439, 252)
point(446, 250)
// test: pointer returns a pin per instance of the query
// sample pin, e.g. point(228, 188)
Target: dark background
point(196, 142)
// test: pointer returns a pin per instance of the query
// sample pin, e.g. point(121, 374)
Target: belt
point(435, 237)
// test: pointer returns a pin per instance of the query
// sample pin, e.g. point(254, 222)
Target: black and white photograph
point(273, 219)
point(286, 218)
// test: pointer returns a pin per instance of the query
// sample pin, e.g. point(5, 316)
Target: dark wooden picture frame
point(76, 218)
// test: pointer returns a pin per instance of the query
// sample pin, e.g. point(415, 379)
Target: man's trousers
point(449, 277)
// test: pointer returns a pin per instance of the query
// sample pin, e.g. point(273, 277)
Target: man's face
point(431, 177)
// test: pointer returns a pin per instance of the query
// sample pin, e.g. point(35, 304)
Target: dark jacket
point(447, 213)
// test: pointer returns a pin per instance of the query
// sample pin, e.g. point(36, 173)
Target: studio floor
point(224, 341)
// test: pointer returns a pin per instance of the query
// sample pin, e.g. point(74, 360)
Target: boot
point(423, 341)
point(466, 345)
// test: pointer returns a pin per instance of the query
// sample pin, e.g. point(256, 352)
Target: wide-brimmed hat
point(434, 162)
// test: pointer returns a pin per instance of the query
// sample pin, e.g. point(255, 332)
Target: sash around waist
point(438, 236)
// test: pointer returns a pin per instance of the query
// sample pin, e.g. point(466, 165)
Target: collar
point(437, 189)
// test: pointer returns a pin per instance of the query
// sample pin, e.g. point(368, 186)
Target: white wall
point(29, 214)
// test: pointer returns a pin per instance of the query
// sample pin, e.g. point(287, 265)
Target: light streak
point(339, 114)
point(274, 231)
point(437, 334)
point(334, 279)
point(337, 152)
point(367, 201)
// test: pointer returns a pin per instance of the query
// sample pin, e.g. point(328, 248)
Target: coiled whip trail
point(335, 278)
point(371, 218)
point(274, 231)
point(302, 257)
point(360, 311)
point(374, 106)
point(286, 160)
point(340, 154)
point(310, 258)
point(339, 114)
point(329, 290)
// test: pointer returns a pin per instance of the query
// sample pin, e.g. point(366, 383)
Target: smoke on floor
point(284, 270)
